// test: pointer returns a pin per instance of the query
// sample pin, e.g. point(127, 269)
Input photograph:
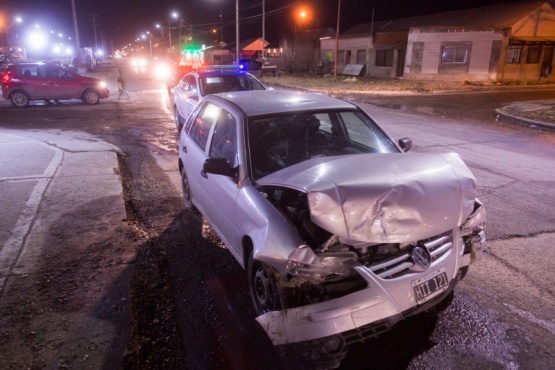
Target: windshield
point(281, 141)
point(220, 84)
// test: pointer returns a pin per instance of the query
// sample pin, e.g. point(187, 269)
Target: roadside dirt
point(372, 85)
point(74, 310)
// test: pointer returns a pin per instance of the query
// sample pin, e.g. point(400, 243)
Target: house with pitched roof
point(504, 42)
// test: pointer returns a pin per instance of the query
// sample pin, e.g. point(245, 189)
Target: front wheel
point(186, 188)
point(177, 119)
point(263, 287)
point(91, 97)
point(19, 99)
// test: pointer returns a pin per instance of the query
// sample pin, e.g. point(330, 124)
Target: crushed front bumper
point(374, 309)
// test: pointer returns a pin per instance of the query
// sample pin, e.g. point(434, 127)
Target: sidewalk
point(537, 113)
point(65, 252)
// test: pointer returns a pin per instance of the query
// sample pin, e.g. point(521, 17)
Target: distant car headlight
point(162, 71)
point(138, 62)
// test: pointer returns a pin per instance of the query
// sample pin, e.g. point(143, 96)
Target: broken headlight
point(326, 267)
point(473, 230)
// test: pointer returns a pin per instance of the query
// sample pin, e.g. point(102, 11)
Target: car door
point(62, 83)
point(221, 192)
point(194, 151)
point(186, 95)
point(34, 81)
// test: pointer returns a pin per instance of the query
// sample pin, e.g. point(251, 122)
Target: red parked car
point(24, 82)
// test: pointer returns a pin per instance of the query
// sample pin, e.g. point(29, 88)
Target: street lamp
point(149, 41)
point(173, 15)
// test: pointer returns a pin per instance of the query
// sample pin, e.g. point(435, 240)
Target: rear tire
point(91, 97)
point(19, 99)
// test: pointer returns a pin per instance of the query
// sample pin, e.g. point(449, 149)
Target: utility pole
point(93, 19)
point(336, 41)
point(75, 29)
point(237, 30)
point(263, 27)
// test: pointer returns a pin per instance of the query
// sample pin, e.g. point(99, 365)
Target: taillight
point(6, 77)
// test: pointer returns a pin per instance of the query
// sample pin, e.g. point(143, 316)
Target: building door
point(547, 61)
point(400, 62)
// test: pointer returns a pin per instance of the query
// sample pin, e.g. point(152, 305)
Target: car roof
point(261, 102)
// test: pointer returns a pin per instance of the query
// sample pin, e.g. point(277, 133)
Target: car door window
point(190, 84)
point(54, 72)
point(202, 124)
point(224, 139)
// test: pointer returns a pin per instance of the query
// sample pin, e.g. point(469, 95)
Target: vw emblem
point(421, 258)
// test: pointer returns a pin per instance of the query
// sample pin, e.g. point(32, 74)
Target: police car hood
point(383, 198)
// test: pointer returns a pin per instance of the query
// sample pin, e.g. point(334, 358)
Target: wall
point(425, 46)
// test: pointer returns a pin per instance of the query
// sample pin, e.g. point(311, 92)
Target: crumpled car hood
point(383, 198)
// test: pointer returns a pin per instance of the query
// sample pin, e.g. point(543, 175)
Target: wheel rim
point(186, 190)
point(264, 289)
point(91, 97)
point(19, 99)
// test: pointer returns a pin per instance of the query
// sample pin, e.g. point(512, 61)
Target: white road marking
point(12, 248)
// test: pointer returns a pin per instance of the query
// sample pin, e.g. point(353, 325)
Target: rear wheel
point(91, 97)
point(19, 99)
point(262, 287)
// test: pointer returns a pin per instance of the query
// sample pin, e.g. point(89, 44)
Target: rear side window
point(203, 123)
point(29, 71)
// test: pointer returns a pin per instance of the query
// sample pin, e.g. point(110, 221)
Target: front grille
point(390, 261)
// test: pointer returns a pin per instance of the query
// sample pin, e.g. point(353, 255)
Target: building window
point(384, 58)
point(454, 54)
point(341, 56)
point(513, 54)
point(534, 53)
point(361, 56)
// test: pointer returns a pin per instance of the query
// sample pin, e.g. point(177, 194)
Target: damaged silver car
point(342, 233)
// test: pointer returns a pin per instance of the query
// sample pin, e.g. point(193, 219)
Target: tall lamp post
point(149, 41)
point(336, 41)
point(173, 15)
point(237, 30)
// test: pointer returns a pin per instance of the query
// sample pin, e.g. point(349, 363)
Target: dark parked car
point(25, 82)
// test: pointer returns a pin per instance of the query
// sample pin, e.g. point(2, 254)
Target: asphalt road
point(186, 298)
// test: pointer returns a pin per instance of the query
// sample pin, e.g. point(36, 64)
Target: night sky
point(121, 21)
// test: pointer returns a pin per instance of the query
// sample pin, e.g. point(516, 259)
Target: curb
point(509, 118)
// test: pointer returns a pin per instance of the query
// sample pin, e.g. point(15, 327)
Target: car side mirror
point(219, 166)
point(405, 143)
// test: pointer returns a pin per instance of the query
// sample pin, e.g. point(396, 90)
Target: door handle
point(203, 174)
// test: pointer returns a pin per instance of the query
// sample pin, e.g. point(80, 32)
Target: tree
point(301, 52)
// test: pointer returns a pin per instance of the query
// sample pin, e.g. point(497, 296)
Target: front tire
point(91, 97)
point(177, 119)
point(186, 188)
point(19, 99)
point(262, 287)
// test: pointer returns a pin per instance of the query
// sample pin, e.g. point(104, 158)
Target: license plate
point(430, 285)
